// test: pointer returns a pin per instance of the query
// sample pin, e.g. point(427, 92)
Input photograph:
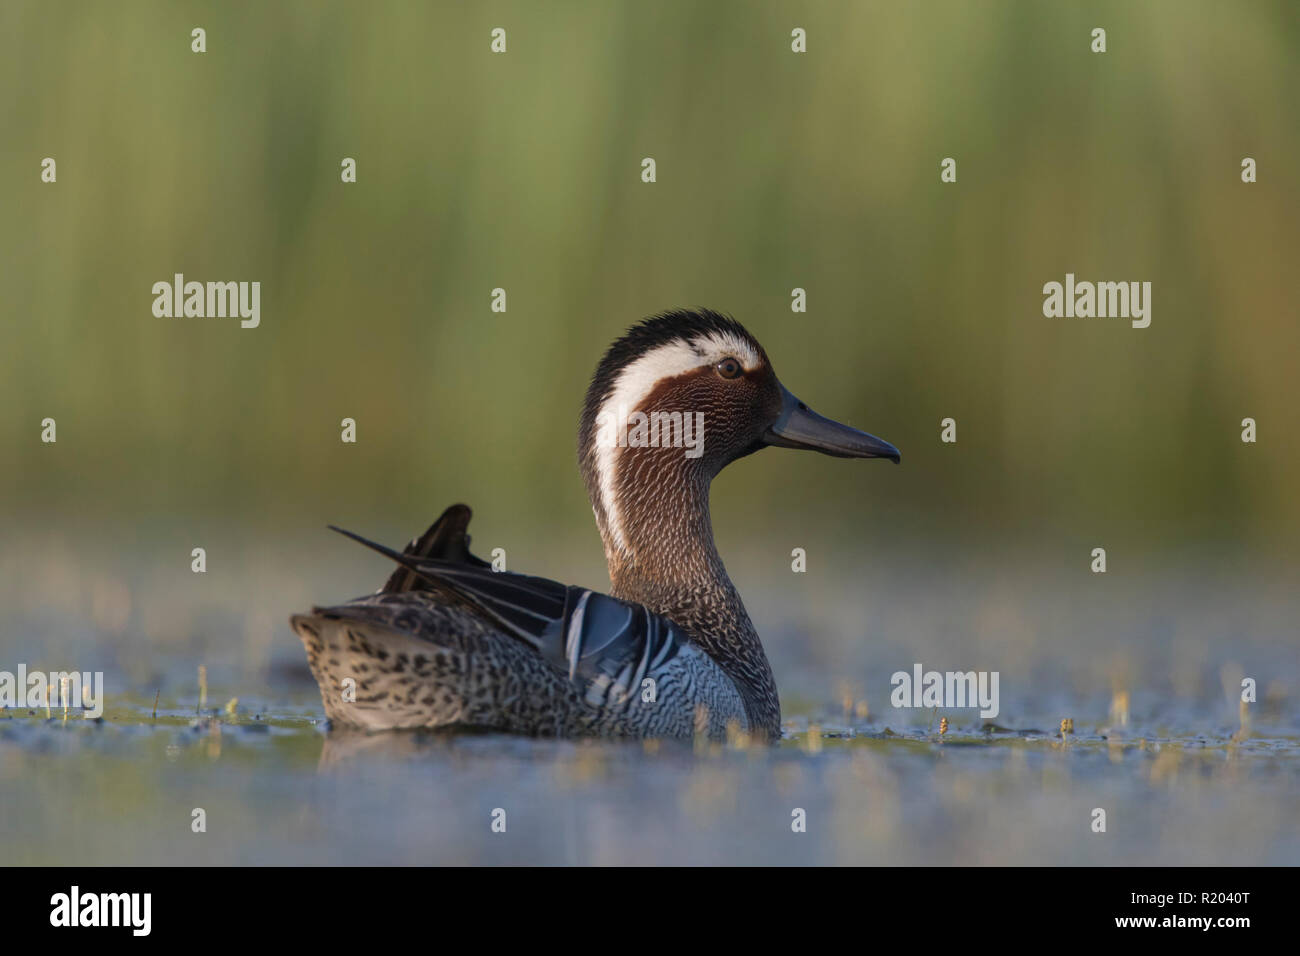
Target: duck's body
point(448, 642)
point(466, 646)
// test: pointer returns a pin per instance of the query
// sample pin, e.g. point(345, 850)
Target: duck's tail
point(446, 540)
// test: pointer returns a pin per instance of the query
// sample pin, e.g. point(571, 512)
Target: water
point(277, 789)
point(1150, 677)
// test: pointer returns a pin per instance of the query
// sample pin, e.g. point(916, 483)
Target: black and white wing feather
point(605, 646)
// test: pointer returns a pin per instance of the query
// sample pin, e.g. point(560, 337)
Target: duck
point(670, 651)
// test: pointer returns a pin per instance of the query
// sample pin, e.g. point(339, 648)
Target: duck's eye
point(728, 368)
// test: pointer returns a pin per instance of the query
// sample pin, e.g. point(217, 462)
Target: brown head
point(674, 401)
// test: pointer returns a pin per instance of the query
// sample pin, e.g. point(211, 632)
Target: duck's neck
point(660, 550)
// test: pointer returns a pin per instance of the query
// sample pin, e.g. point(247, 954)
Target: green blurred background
point(522, 171)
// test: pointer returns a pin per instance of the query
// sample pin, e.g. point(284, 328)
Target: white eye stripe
point(714, 348)
point(637, 379)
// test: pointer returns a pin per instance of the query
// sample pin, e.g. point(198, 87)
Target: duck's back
point(448, 642)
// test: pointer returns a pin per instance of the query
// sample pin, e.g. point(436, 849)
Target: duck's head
point(673, 401)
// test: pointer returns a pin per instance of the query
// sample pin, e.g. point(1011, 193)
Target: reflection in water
point(280, 790)
point(1145, 685)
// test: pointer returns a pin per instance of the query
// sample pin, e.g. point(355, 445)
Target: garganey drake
point(670, 651)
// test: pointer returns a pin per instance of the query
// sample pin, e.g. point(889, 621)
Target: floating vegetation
point(869, 791)
point(1243, 713)
point(1119, 708)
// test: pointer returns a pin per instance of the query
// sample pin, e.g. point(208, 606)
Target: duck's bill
point(800, 427)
